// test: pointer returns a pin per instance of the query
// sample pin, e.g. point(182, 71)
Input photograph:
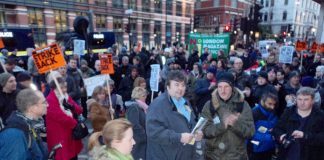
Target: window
point(36, 22)
point(168, 7)
point(284, 16)
point(178, 32)
point(2, 16)
point(100, 21)
point(133, 28)
point(81, 14)
point(261, 2)
point(234, 3)
point(157, 6)
point(188, 10)
point(60, 20)
point(132, 4)
point(187, 31)
point(286, 2)
point(146, 5)
point(179, 8)
point(118, 23)
point(272, 3)
point(216, 3)
point(101, 3)
point(266, 17)
point(271, 16)
point(146, 32)
point(117, 4)
point(267, 3)
point(81, 1)
point(168, 32)
point(157, 32)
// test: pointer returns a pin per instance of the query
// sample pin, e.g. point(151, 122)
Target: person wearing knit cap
point(293, 84)
point(8, 94)
point(262, 87)
point(229, 121)
point(23, 80)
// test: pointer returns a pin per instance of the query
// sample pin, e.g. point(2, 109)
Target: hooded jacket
point(227, 143)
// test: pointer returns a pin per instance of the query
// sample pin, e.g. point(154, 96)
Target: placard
point(300, 46)
point(93, 82)
point(155, 75)
point(78, 47)
point(106, 64)
point(286, 54)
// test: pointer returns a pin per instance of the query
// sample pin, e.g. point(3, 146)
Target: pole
point(152, 96)
point(56, 83)
point(3, 66)
point(109, 98)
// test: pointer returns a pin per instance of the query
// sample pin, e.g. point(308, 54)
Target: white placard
point(93, 82)
point(155, 75)
point(263, 49)
point(79, 47)
point(286, 54)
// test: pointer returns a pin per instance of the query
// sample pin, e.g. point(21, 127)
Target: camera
point(287, 141)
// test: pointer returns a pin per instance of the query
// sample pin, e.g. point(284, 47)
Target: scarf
point(113, 154)
point(143, 105)
point(67, 112)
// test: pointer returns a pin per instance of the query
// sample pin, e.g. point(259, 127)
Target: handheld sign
point(1, 43)
point(321, 50)
point(154, 80)
point(79, 47)
point(314, 47)
point(286, 54)
point(48, 58)
point(300, 46)
point(106, 64)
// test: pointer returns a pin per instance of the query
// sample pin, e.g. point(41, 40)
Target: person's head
point(55, 74)
point(280, 75)
point(238, 64)
point(317, 58)
point(73, 63)
point(83, 65)
point(221, 64)
point(8, 82)
point(225, 83)
point(62, 70)
point(118, 134)
point(286, 68)
point(62, 84)
point(271, 59)
point(10, 64)
point(210, 75)
point(111, 85)
point(24, 79)
point(294, 78)
point(116, 60)
point(99, 93)
point(176, 84)
point(272, 75)
point(319, 71)
point(139, 93)
point(31, 103)
point(136, 60)
point(262, 78)
point(269, 101)
point(134, 72)
point(196, 68)
point(97, 65)
point(125, 60)
point(305, 98)
point(295, 61)
point(140, 82)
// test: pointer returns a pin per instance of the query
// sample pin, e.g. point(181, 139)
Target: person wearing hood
point(193, 58)
point(8, 94)
point(126, 84)
point(262, 87)
point(85, 70)
point(229, 121)
point(19, 140)
point(136, 113)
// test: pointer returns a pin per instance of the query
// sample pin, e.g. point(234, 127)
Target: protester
point(230, 122)
point(19, 140)
point(118, 138)
point(136, 110)
point(126, 85)
point(262, 87)
point(169, 122)
point(60, 122)
point(24, 80)
point(117, 102)
point(300, 129)
point(75, 74)
point(7, 95)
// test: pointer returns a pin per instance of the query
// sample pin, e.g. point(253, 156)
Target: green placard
point(214, 42)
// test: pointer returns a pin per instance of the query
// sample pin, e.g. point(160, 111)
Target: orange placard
point(314, 47)
point(321, 50)
point(300, 46)
point(106, 64)
point(1, 43)
point(48, 58)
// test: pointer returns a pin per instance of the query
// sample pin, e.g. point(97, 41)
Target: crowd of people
point(255, 107)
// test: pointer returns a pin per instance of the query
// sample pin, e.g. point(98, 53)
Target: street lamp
point(195, 30)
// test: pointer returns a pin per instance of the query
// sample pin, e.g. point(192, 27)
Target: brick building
point(152, 22)
point(214, 15)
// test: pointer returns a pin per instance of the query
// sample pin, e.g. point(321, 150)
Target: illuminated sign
point(98, 36)
point(6, 34)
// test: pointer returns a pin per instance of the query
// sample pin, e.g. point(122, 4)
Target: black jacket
point(7, 104)
point(312, 145)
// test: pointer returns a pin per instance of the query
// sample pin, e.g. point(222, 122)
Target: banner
point(78, 47)
point(93, 82)
point(214, 42)
point(48, 58)
point(155, 75)
point(106, 64)
point(286, 54)
point(300, 46)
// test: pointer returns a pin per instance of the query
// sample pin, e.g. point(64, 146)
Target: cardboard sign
point(263, 49)
point(1, 43)
point(48, 58)
point(321, 50)
point(79, 47)
point(314, 47)
point(286, 54)
point(300, 46)
point(93, 82)
point(106, 64)
point(155, 75)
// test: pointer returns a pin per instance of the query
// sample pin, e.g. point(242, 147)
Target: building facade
point(320, 28)
point(214, 15)
point(297, 18)
point(152, 22)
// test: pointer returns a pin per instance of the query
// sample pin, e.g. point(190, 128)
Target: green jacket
point(227, 144)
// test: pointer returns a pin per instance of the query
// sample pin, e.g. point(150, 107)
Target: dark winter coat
point(164, 125)
point(259, 90)
point(126, 87)
point(203, 93)
point(312, 145)
point(7, 104)
point(77, 80)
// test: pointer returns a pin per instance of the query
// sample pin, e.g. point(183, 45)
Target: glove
point(67, 106)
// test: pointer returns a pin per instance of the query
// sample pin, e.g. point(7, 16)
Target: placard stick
point(152, 96)
point(3, 66)
point(109, 97)
point(56, 83)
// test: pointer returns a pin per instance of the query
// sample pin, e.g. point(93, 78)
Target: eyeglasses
point(43, 103)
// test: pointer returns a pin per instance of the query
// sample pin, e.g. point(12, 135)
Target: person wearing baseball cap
point(229, 121)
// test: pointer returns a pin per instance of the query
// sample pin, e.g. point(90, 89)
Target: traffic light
point(127, 28)
point(227, 28)
point(284, 34)
point(289, 28)
point(196, 21)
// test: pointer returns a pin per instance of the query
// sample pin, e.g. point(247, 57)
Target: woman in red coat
point(60, 122)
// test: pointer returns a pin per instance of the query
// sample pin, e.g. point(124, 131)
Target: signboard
point(106, 64)
point(155, 75)
point(321, 50)
point(300, 46)
point(263, 49)
point(79, 47)
point(214, 42)
point(314, 47)
point(1, 43)
point(48, 58)
point(286, 54)
point(93, 82)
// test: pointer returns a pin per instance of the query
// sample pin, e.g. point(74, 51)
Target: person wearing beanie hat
point(23, 80)
point(229, 121)
point(293, 84)
point(8, 94)
point(262, 87)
